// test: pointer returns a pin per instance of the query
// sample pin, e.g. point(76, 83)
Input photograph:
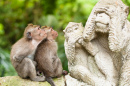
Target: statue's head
point(73, 29)
point(102, 22)
point(115, 16)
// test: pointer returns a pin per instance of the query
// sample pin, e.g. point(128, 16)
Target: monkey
point(25, 48)
point(46, 56)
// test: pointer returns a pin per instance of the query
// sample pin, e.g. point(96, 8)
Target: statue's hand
point(89, 31)
point(89, 37)
point(73, 39)
point(86, 37)
point(109, 11)
point(80, 41)
point(101, 9)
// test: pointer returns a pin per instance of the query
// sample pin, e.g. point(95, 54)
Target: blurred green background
point(16, 14)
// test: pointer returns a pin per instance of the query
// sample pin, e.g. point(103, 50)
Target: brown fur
point(46, 56)
point(24, 48)
point(47, 59)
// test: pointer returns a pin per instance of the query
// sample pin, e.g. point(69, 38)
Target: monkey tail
point(64, 72)
point(50, 80)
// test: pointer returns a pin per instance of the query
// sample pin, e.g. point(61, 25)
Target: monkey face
point(102, 22)
point(68, 32)
point(34, 32)
point(54, 34)
point(39, 34)
point(73, 29)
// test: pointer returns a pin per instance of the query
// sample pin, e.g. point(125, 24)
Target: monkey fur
point(46, 56)
point(25, 48)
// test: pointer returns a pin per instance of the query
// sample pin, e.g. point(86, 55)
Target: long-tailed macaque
point(25, 48)
point(46, 56)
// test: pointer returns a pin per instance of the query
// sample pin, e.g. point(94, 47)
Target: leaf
point(1, 29)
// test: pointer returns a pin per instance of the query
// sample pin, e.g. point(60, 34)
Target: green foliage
point(6, 68)
point(1, 29)
point(16, 14)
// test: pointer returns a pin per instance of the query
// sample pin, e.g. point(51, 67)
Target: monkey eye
point(69, 30)
point(29, 35)
point(38, 28)
point(75, 28)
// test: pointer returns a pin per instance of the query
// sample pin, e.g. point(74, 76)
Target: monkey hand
point(35, 63)
point(40, 73)
point(17, 58)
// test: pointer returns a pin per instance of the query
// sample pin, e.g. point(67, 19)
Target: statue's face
point(102, 22)
point(73, 29)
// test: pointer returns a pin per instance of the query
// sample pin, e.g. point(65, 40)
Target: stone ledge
point(17, 81)
point(70, 81)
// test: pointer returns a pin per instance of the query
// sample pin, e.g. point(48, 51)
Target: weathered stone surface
point(99, 53)
point(74, 82)
point(17, 81)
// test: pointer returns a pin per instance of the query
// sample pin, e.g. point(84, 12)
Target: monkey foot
point(40, 73)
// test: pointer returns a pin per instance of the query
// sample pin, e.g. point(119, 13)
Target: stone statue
point(77, 55)
point(95, 53)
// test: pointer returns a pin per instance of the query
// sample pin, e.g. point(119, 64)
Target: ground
point(17, 81)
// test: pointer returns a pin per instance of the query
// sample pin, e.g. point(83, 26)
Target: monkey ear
point(35, 26)
point(51, 28)
point(30, 24)
point(64, 31)
point(127, 10)
point(43, 27)
point(29, 35)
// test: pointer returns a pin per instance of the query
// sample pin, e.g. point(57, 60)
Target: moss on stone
point(17, 81)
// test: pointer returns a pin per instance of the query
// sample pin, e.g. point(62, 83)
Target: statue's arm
point(118, 35)
point(70, 51)
point(118, 38)
point(90, 47)
point(89, 31)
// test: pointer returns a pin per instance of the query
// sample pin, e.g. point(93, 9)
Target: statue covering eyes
point(95, 52)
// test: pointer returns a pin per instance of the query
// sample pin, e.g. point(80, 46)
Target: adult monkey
point(46, 56)
point(25, 48)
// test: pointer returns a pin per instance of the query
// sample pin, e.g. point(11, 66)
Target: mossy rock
point(17, 81)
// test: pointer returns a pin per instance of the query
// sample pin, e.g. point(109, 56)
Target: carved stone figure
point(118, 35)
point(95, 52)
point(119, 40)
point(77, 55)
point(81, 63)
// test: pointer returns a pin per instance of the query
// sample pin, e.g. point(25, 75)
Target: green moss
point(17, 81)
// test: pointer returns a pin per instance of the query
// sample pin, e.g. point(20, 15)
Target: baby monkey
point(46, 56)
